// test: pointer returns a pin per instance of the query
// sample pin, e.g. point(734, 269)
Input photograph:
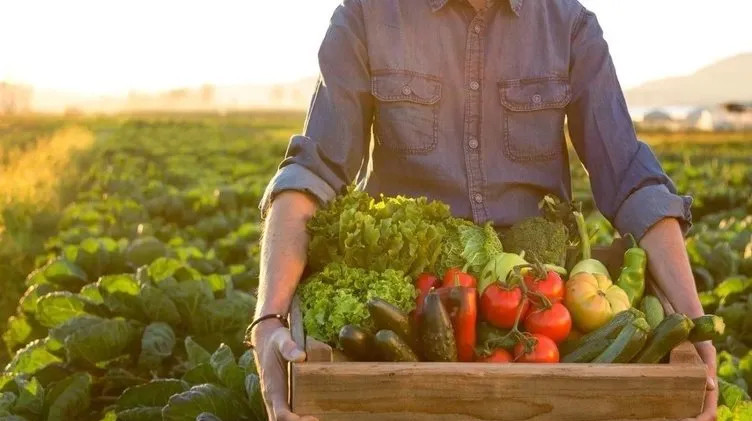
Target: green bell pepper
point(632, 277)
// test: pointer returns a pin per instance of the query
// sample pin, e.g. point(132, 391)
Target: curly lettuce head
point(397, 233)
point(337, 296)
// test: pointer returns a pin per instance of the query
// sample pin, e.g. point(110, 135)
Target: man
point(467, 101)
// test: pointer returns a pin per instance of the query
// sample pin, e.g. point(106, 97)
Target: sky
point(111, 47)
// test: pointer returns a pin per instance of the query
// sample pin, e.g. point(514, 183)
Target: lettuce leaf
point(31, 358)
point(157, 343)
point(397, 233)
point(217, 400)
point(153, 394)
point(68, 398)
point(337, 296)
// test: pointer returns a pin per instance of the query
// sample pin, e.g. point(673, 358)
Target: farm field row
point(139, 261)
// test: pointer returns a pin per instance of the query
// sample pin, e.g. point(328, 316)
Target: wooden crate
point(333, 389)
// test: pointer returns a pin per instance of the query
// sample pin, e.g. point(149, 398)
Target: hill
point(727, 80)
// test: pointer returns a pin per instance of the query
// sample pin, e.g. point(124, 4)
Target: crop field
point(129, 260)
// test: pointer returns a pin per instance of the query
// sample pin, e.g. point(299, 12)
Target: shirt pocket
point(406, 115)
point(533, 117)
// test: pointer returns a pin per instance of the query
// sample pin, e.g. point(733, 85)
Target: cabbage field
point(129, 261)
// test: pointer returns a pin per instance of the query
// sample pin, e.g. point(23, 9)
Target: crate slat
point(475, 392)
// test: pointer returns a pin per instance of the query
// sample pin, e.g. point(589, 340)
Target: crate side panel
point(475, 392)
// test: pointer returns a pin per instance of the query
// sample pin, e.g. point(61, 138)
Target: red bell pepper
point(455, 276)
point(424, 284)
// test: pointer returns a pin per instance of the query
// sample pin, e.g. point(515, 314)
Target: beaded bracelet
point(253, 324)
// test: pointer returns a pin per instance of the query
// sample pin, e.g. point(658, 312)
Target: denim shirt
point(468, 107)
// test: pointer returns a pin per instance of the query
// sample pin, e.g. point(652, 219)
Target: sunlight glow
point(96, 47)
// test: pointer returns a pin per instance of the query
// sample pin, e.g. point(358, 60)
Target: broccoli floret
point(539, 238)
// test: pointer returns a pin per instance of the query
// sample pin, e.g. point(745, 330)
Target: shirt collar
point(515, 5)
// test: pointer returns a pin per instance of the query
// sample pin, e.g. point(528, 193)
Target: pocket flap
point(406, 86)
point(534, 94)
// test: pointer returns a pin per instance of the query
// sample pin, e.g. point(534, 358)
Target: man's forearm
point(284, 247)
point(669, 265)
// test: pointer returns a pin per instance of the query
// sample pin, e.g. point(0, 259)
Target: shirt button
point(474, 85)
point(473, 143)
point(477, 28)
point(537, 99)
point(406, 90)
point(478, 198)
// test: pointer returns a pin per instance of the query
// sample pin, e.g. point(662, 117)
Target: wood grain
point(483, 392)
point(685, 353)
point(317, 351)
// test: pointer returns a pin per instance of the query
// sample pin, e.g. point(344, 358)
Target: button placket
point(473, 97)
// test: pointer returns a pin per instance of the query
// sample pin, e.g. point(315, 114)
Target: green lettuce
point(337, 296)
point(397, 233)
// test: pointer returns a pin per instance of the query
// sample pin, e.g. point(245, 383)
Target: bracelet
point(253, 324)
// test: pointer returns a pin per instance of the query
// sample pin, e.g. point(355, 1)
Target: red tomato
point(499, 306)
point(555, 322)
point(544, 351)
point(424, 283)
point(552, 286)
point(456, 277)
point(499, 355)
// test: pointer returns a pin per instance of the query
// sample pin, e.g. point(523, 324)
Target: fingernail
point(711, 383)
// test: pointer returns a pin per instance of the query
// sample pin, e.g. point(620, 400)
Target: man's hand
point(707, 353)
point(274, 347)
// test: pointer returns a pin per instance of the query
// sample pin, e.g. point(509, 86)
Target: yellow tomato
point(593, 300)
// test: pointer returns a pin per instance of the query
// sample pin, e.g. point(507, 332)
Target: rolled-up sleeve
point(331, 150)
point(629, 186)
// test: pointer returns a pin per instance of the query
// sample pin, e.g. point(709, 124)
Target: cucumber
point(707, 328)
point(608, 331)
point(672, 331)
point(436, 333)
point(587, 351)
point(389, 317)
point(392, 348)
point(356, 343)
point(653, 309)
point(629, 342)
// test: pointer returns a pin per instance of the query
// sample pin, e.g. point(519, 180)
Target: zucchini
point(653, 309)
point(707, 328)
point(389, 317)
point(392, 348)
point(436, 333)
point(587, 351)
point(356, 343)
point(672, 331)
point(608, 331)
point(629, 342)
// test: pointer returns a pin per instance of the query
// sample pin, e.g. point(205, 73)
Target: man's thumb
point(290, 351)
